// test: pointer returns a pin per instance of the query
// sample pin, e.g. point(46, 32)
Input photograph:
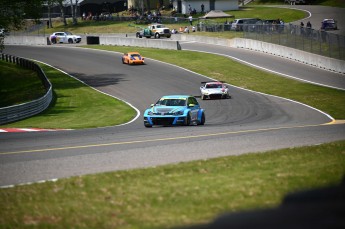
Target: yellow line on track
point(166, 139)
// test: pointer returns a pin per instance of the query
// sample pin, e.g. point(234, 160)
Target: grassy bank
point(76, 105)
point(11, 91)
point(173, 195)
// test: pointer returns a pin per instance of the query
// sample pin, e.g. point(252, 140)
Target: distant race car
point(132, 58)
point(174, 110)
point(214, 90)
point(328, 24)
point(64, 37)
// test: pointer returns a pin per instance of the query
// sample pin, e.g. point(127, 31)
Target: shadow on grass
point(54, 110)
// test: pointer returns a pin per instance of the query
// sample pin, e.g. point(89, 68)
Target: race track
point(249, 122)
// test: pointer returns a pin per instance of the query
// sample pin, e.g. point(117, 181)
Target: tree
point(50, 4)
point(148, 5)
point(62, 10)
point(61, 4)
point(74, 11)
point(161, 3)
point(14, 12)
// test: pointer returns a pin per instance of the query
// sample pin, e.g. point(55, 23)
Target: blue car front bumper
point(164, 120)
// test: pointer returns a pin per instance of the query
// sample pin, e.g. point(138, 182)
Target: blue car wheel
point(187, 120)
point(202, 121)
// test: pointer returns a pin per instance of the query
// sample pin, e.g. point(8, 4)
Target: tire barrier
point(28, 109)
point(92, 40)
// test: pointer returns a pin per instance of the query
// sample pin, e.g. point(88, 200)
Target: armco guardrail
point(144, 42)
point(312, 59)
point(25, 110)
point(274, 49)
point(25, 40)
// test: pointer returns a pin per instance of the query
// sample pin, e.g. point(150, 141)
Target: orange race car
point(132, 58)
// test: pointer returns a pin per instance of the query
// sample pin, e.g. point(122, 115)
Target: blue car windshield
point(172, 102)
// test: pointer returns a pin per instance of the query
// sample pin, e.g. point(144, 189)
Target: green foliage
point(13, 14)
point(74, 103)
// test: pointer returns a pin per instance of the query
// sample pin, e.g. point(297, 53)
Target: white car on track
point(214, 90)
point(64, 37)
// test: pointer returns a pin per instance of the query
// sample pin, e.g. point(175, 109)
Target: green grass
point(12, 92)
point(77, 106)
point(333, 3)
point(173, 195)
point(243, 76)
point(262, 12)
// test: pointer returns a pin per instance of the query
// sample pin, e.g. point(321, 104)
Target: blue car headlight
point(178, 113)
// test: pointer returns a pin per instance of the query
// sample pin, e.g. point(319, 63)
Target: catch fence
point(319, 42)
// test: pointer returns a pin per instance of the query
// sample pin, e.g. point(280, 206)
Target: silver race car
point(214, 90)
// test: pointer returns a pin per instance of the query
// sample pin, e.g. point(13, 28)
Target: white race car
point(214, 90)
point(64, 37)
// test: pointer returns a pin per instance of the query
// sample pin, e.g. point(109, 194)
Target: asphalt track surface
point(318, 13)
point(249, 122)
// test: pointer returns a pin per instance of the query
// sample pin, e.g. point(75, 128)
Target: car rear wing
point(212, 82)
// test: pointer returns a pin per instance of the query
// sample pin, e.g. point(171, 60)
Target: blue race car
point(174, 110)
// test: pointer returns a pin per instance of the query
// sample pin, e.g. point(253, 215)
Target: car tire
point(187, 120)
point(70, 41)
point(202, 121)
point(157, 35)
point(147, 126)
point(123, 61)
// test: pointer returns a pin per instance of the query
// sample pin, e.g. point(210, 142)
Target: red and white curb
point(14, 130)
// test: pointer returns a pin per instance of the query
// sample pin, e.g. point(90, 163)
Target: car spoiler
point(212, 82)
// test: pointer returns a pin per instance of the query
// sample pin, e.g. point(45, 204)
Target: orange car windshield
point(136, 56)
